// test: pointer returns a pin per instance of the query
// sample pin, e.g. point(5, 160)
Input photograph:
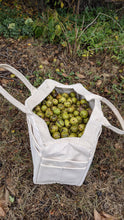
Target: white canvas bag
point(64, 160)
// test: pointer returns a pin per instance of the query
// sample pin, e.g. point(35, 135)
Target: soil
point(103, 187)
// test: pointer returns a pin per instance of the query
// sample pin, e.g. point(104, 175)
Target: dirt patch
point(103, 186)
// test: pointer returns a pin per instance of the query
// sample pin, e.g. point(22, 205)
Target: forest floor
point(103, 187)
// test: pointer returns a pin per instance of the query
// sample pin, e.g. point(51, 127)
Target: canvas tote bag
point(64, 160)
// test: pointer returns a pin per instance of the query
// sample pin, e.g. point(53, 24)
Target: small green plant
point(38, 78)
point(13, 25)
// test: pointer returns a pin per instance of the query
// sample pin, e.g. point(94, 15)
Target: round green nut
point(80, 134)
point(56, 111)
point(62, 99)
point(43, 102)
point(60, 123)
point(67, 123)
point(72, 94)
point(71, 109)
point(40, 114)
point(76, 113)
point(37, 108)
point(49, 103)
point(55, 102)
point(86, 120)
point(67, 104)
point(64, 129)
point(74, 128)
point(43, 108)
point(73, 121)
point(64, 134)
point(58, 96)
point(53, 107)
point(53, 118)
point(82, 101)
point(85, 105)
point(56, 135)
point(49, 97)
point(79, 119)
point(71, 115)
point(60, 106)
point(65, 115)
point(73, 135)
point(84, 113)
point(53, 128)
point(54, 93)
point(78, 103)
point(65, 95)
point(47, 120)
point(69, 100)
point(74, 100)
point(81, 127)
point(48, 113)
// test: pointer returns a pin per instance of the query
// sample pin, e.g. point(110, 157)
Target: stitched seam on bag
point(70, 168)
point(62, 161)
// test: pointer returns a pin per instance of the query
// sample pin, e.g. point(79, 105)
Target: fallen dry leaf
point(2, 69)
point(109, 217)
point(4, 81)
point(106, 90)
point(2, 213)
point(92, 63)
point(118, 146)
point(81, 76)
point(103, 216)
point(97, 216)
point(64, 74)
point(45, 62)
point(99, 82)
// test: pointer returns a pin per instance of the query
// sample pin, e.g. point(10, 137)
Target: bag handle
point(107, 124)
point(10, 98)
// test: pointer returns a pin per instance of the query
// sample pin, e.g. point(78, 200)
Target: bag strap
point(10, 98)
point(107, 124)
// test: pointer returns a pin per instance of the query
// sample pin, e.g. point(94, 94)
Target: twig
point(1, 76)
point(95, 20)
point(119, 9)
point(106, 47)
point(70, 190)
point(76, 34)
point(82, 22)
point(5, 73)
point(78, 6)
point(3, 55)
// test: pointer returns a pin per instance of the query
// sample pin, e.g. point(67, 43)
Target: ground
point(103, 187)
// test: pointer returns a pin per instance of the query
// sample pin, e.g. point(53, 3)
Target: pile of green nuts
point(65, 114)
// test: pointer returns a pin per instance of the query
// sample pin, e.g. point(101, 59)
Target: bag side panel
point(63, 175)
point(36, 155)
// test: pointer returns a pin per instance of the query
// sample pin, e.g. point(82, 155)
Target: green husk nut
point(56, 111)
point(43, 108)
point(55, 102)
point(48, 113)
point(49, 103)
point(53, 128)
point(56, 135)
point(64, 134)
point(60, 123)
point(64, 114)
